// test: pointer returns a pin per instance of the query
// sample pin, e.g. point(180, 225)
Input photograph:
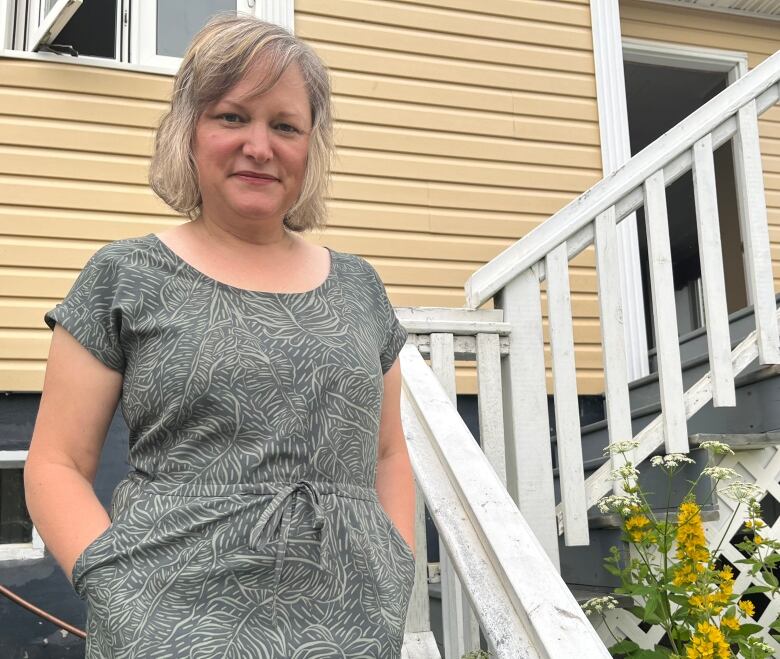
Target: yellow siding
point(460, 126)
point(758, 39)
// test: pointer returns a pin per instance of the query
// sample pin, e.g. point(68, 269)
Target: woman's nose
point(258, 144)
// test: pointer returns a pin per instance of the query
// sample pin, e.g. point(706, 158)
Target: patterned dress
point(249, 526)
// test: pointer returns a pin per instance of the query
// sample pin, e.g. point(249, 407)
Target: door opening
point(657, 98)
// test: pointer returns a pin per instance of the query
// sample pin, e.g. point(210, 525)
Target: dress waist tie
point(279, 511)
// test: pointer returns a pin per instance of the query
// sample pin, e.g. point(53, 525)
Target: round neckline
point(248, 291)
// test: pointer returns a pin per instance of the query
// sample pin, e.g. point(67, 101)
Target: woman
point(269, 511)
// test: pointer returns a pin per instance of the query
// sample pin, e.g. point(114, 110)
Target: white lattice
point(759, 466)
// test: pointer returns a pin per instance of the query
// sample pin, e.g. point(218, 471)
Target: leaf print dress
point(249, 526)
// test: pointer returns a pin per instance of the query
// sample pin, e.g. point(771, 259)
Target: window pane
point(179, 20)
point(15, 523)
point(92, 29)
point(48, 5)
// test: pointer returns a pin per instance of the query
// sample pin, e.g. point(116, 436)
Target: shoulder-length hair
point(216, 60)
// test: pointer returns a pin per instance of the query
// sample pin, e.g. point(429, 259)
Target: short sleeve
point(393, 333)
point(90, 311)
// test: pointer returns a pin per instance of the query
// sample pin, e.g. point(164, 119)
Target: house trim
point(616, 151)
point(756, 14)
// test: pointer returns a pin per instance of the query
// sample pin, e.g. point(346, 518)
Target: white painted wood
point(460, 626)
point(421, 645)
point(280, 12)
point(418, 616)
point(684, 56)
point(713, 280)
point(463, 322)
point(519, 256)
point(747, 149)
point(610, 309)
point(659, 255)
point(524, 606)
point(673, 170)
point(465, 347)
point(490, 403)
point(526, 420)
point(651, 437)
point(53, 22)
point(567, 411)
point(615, 152)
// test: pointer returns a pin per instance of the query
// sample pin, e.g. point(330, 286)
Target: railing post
point(755, 238)
point(527, 425)
point(460, 625)
point(612, 334)
point(659, 255)
point(713, 280)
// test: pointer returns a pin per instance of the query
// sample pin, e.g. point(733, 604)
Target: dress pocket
point(394, 533)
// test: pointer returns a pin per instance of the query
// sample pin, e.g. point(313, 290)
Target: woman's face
point(251, 153)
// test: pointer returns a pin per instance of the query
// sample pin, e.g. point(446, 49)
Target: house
point(461, 128)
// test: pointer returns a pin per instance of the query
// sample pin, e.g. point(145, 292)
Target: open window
point(53, 16)
point(18, 537)
point(145, 32)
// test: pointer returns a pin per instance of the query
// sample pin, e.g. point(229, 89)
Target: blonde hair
point(217, 59)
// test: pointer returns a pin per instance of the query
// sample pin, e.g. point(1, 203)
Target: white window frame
point(143, 44)
point(16, 551)
point(48, 26)
point(136, 33)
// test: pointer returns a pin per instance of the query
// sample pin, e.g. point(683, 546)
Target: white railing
point(513, 279)
point(495, 574)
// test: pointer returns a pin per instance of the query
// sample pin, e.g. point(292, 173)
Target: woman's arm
point(394, 477)
point(78, 401)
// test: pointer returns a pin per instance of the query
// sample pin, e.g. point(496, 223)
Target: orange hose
point(40, 612)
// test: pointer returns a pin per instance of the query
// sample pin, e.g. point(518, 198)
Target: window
point(144, 32)
point(18, 537)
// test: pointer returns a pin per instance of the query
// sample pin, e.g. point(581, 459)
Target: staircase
point(499, 508)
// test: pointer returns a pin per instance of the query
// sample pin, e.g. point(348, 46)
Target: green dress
point(249, 525)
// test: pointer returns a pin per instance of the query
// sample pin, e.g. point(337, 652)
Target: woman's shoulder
point(118, 251)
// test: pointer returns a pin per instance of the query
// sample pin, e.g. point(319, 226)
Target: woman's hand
point(79, 398)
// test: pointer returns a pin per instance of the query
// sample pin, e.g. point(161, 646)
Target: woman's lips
point(255, 178)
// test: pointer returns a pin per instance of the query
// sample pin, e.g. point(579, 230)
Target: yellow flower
point(747, 607)
point(755, 523)
point(708, 643)
point(758, 539)
point(730, 622)
point(636, 526)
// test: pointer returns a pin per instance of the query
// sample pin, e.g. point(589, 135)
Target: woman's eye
point(227, 115)
point(287, 128)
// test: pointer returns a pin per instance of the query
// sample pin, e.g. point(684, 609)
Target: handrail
point(523, 606)
point(651, 437)
point(575, 216)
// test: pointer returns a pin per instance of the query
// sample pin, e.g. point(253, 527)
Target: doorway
point(661, 92)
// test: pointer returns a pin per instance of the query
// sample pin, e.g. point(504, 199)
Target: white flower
point(618, 504)
point(718, 447)
point(760, 646)
point(720, 473)
point(621, 447)
point(742, 492)
point(626, 472)
point(598, 604)
point(671, 461)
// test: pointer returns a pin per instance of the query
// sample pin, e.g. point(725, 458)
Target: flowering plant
point(677, 581)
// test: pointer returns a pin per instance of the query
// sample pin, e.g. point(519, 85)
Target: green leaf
point(623, 647)
point(771, 579)
point(756, 589)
